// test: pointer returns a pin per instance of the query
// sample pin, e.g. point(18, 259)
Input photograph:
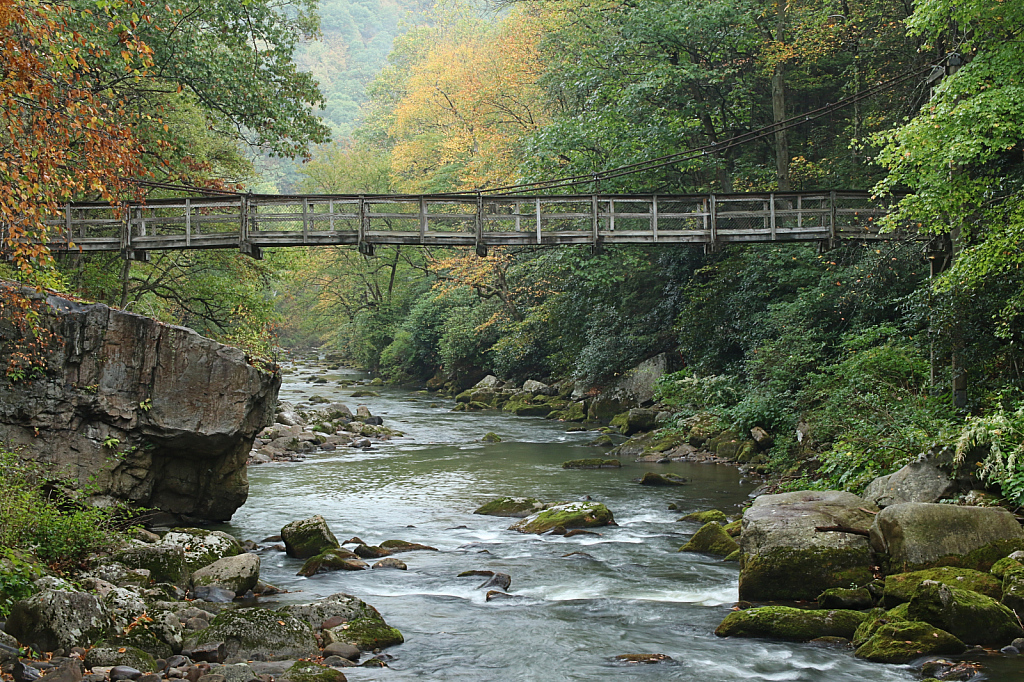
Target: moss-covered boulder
point(1013, 590)
point(236, 573)
point(491, 437)
point(845, 598)
point(340, 606)
point(566, 515)
point(786, 558)
point(165, 562)
point(706, 517)
point(140, 638)
point(511, 507)
point(253, 633)
point(202, 547)
point(106, 655)
point(711, 539)
point(396, 546)
point(308, 671)
point(876, 618)
point(602, 441)
point(366, 633)
point(1005, 564)
point(333, 559)
point(651, 478)
point(592, 464)
point(638, 420)
point(55, 619)
point(734, 556)
point(903, 641)
point(784, 622)
point(734, 528)
point(574, 412)
point(971, 617)
point(308, 537)
point(900, 588)
point(918, 535)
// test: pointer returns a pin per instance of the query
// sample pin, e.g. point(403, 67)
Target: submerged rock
point(651, 478)
point(109, 410)
point(395, 546)
point(643, 658)
point(592, 464)
point(512, 507)
point(308, 671)
point(784, 622)
point(786, 558)
point(566, 515)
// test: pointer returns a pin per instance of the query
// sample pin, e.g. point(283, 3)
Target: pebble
point(124, 672)
point(342, 649)
point(338, 662)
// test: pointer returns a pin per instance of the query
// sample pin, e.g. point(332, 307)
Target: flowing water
point(578, 601)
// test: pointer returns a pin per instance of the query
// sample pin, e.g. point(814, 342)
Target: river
point(578, 602)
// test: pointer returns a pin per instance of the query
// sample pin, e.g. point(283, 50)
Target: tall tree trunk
point(779, 105)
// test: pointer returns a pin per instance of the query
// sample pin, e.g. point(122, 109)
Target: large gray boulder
point(53, 619)
point(139, 410)
point(785, 558)
point(165, 563)
point(258, 634)
point(917, 535)
point(238, 574)
point(919, 481)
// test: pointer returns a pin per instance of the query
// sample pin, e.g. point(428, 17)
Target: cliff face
point(138, 410)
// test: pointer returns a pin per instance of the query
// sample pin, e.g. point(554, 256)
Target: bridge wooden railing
point(254, 222)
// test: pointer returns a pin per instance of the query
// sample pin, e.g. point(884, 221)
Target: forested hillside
point(860, 344)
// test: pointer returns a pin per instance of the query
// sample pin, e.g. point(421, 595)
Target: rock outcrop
point(145, 412)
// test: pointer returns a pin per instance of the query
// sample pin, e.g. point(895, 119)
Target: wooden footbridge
point(254, 222)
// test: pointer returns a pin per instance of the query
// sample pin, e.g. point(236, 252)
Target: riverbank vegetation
point(856, 348)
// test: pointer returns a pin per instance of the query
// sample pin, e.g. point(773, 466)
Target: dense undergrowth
point(43, 528)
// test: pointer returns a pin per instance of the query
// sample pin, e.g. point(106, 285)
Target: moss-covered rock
point(784, 622)
point(491, 437)
point(918, 535)
point(566, 515)
point(202, 547)
point(651, 478)
point(706, 517)
point(574, 412)
point(141, 638)
point(711, 539)
point(734, 528)
point(592, 464)
point(735, 556)
point(511, 507)
point(366, 633)
point(395, 546)
point(875, 619)
point(464, 397)
point(903, 641)
point(785, 558)
point(254, 632)
point(55, 619)
point(308, 671)
point(527, 409)
point(106, 655)
point(971, 617)
point(341, 606)
point(1000, 567)
point(845, 598)
point(165, 562)
point(602, 441)
point(900, 588)
point(333, 559)
point(308, 537)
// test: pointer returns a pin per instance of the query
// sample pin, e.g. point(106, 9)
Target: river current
point(578, 601)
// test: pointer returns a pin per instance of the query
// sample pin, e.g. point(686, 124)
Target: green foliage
point(16, 578)
point(698, 394)
point(1002, 435)
point(37, 516)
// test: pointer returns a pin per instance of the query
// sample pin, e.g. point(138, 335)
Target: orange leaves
point(60, 134)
